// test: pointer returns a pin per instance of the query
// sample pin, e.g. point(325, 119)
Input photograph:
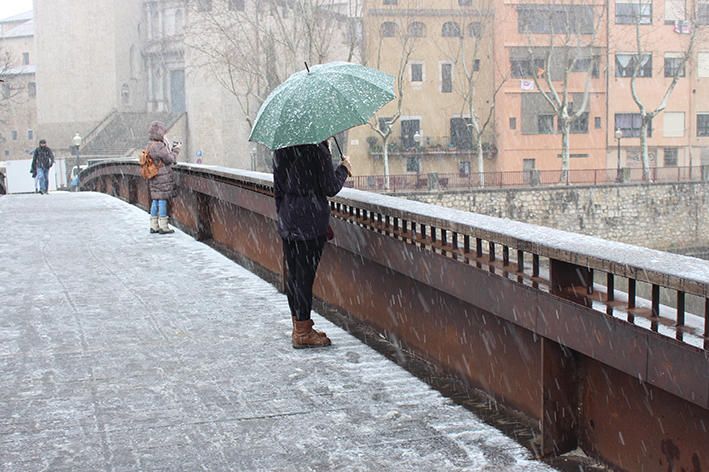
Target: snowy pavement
point(121, 350)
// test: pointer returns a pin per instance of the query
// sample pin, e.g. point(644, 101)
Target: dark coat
point(43, 158)
point(162, 186)
point(303, 178)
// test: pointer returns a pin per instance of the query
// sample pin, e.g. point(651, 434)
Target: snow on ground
point(121, 350)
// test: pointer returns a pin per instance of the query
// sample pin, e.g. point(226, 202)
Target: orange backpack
point(148, 168)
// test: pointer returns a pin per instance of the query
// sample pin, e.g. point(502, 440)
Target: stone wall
point(661, 216)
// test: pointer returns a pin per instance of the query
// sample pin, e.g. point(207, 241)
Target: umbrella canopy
point(318, 103)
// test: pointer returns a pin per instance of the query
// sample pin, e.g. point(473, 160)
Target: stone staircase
point(122, 133)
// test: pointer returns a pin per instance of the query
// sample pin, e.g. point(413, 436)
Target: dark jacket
point(43, 158)
point(162, 186)
point(303, 178)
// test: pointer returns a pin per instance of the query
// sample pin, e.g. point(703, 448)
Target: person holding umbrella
point(295, 121)
point(303, 178)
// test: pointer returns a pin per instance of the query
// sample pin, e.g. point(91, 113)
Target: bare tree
point(466, 55)
point(572, 28)
point(249, 51)
point(641, 61)
point(11, 87)
point(383, 126)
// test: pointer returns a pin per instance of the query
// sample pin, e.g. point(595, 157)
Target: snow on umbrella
point(320, 102)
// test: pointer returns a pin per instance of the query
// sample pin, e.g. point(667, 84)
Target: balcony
point(438, 146)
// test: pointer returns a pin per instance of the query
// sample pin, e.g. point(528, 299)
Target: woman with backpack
point(162, 186)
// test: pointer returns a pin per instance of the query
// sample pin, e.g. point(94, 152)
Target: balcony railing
point(429, 145)
point(533, 178)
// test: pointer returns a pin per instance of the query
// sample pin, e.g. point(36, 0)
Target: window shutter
point(674, 124)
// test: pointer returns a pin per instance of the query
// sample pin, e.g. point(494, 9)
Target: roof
point(24, 29)
point(19, 17)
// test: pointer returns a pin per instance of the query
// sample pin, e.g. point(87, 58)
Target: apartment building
point(18, 111)
point(539, 62)
point(444, 44)
point(679, 135)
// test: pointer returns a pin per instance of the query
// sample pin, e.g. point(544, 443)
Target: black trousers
point(302, 259)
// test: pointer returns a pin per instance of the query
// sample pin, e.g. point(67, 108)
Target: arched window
point(451, 29)
point(389, 29)
point(179, 22)
point(417, 29)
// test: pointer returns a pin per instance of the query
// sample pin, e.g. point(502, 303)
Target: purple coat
point(162, 186)
point(303, 178)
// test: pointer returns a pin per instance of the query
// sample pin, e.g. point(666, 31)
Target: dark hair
point(42, 141)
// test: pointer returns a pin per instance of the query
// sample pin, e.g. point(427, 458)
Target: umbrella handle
point(338, 147)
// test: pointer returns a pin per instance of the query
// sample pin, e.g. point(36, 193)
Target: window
point(25, 58)
point(389, 29)
point(14, 135)
point(545, 124)
point(703, 64)
point(580, 124)
point(7, 152)
point(450, 29)
point(523, 67)
point(625, 65)
point(476, 65)
point(703, 124)
point(446, 78)
point(703, 12)
point(673, 124)
point(597, 122)
point(412, 164)
point(32, 89)
point(513, 122)
point(630, 12)
point(390, 2)
point(417, 29)
point(669, 156)
point(204, 5)
point(461, 135)
point(547, 19)
point(586, 64)
point(6, 90)
point(237, 5)
point(675, 10)
point(384, 124)
point(409, 128)
point(416, 72)
point(463, 168)
point(674, 64)
point(629, 124)
point(465, 3)
point(475, 30)
point(30, 135)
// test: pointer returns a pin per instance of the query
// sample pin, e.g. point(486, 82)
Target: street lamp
point(417, 142)
point(618, 136)
point(76, 141)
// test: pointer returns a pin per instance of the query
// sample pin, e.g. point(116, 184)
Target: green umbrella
point(319, 102)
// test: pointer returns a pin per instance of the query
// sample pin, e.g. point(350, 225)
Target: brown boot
point(305, 336)
point(320, 333)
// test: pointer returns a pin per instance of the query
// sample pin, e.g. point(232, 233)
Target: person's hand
point(347, 165)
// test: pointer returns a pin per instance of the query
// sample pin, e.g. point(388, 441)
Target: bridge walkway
point(121, 350)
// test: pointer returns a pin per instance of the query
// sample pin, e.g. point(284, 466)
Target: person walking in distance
point(303, 178)
point(42, 161)
point(162, 186)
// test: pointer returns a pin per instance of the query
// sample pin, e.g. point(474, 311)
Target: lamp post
point(618, 136)
point(76, 141)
